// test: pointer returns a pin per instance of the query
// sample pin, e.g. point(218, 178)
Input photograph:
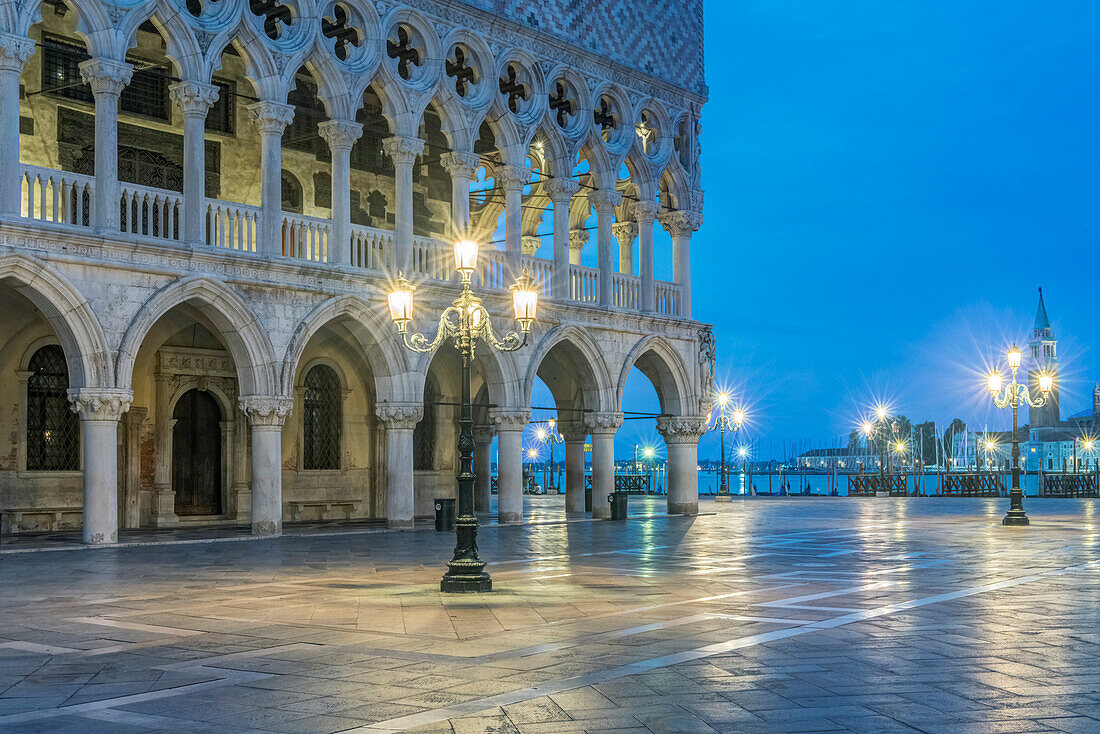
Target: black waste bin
point(444, 513)
point(588, 499)
point(618, 505)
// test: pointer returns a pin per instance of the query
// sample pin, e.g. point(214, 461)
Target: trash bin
point(618, 505)
point(588, 499)
point(444, 513)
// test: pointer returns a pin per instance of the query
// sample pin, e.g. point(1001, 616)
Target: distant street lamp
point(549, 436)
point(724, 421)
point(1087, 443)
point(1013, 395)
point(467, 321)
point(877, 432)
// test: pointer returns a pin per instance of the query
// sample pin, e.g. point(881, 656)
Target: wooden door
point(197, 455)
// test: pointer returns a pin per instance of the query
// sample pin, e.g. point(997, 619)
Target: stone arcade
point(202, 203)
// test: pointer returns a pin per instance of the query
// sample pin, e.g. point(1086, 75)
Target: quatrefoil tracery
point(404, 52)
point(276, 16)
point(340, 29)
point(513, 88)
point(561, 105)
point(459, 69)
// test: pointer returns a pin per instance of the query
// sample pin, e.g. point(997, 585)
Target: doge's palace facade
point(203, 204)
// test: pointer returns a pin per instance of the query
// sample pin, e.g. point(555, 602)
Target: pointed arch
point(76, 325)
point(499, 371)
point(244, 336)
point(389, 365)
point(659, 361)
point(587, 360)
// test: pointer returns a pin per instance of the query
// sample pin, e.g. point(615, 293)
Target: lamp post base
point(1015, 517)
point(466, 584)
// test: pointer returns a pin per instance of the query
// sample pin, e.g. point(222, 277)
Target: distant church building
point(1044, 359)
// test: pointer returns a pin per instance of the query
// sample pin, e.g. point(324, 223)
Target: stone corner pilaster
point(99, 404)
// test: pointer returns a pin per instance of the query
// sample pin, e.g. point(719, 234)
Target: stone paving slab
point(774, 615)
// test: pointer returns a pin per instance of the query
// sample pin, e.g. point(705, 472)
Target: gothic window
point(376, 206)
point(301, 134)
point(221, 118)
point(147, 93)
point(322, 190)
point(292, 193)
point(53, 430)
point(322, 411)
point(424, 435)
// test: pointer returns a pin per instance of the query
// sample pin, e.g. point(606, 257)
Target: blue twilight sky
point(887, 185)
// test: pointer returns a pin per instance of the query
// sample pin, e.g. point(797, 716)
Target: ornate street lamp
point(1013, 395)
point(724, 421)
point(467, 321)
point(550, 436)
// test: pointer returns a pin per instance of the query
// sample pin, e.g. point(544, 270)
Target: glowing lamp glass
point(738, 417)
point(723, 399)
point(525, 300)
point(867, 428)
point(994, 382)
point(1046, 382)
point(1015, 356)
point(465, 256)
point(541, 433)
point(400, 301)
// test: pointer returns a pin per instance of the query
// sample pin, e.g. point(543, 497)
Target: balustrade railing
point(48, 195)
point(62, 197)
point(306, 238)
point(150, 212)
point(627, 290)
point(232, 226)
point(584, 283)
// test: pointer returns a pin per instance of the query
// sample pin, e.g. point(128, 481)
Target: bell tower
point(1043, 359)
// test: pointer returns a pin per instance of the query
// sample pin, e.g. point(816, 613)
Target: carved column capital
point(460, 165)
point(682, 428)
point(681, 223)
point(625, 232)
point(573, 431)
point(399, 416)
point(99, 404)
point(604, 423)
point(403, 150)
point(14, 52)
point(561, 190)
point(193, 98)
point(340, 134)
point(645, 212)
point(512, 178)
point(578, 238)
point(270, 116)
point(604, 201)
point(105, 76)
point(530, 244)
point(510, 419)
point(265, 410)
point(483, 435)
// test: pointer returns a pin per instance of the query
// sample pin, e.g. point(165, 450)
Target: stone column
point(462, 168)
point(403, 153)
point(625, 232)
point(578, 238)
point(574, 435)
point(130, 474)
point(510, 425)
point(107, 79)
point(645, 213)
point(100, 410)
point(604, 202)
point(399, 420)
point(266, 414)
point(682, 434)
point(14, 52)
point(681, 225)
point(271, 118)
point(603, 426)
point(483, 472)
point(164, 498)
point(194, 100)
point(512, 179)
point(561, 192)
point(340, 136)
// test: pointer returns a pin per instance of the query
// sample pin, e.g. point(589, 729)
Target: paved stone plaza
point(769, 615)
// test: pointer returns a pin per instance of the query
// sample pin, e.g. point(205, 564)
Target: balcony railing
point(61, 197)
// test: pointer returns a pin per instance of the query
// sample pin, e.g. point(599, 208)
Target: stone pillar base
point(399, 524)
point(723, 498)
point(511, 517)
point(683, 508)
point(266, 528)
point(601, 512)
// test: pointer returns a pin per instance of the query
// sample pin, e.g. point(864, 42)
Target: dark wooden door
point(197, 455)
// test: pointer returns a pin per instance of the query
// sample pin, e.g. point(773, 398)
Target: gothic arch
point(659, 361)
point(498, 370)
point(244, 337)
point(588, 365)
point(389, 365)
point(74, 322)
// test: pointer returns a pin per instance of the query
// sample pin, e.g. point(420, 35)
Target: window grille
point(424, 435)
point(53, 430)
point(61, 69)
point(301, 134)
point(221, 117)
point(322, 416)
point(147, 93)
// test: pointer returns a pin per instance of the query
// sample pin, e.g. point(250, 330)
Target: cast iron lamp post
point(1013, 394)
point(467, 321)
point(549, 436)
point(722, 423)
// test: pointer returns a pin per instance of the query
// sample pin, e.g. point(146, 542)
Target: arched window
point(322, 413)
point(424, 433)
point(53, 430)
